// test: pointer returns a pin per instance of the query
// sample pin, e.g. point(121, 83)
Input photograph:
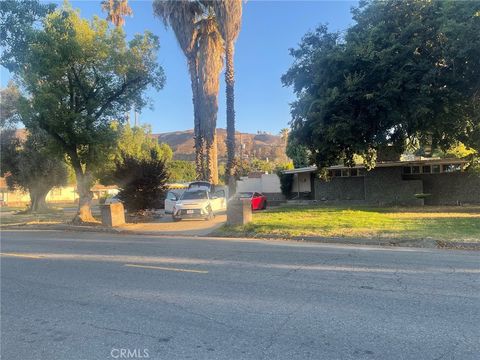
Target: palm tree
point(284, 136)
point(116, 11)
point(210, 63)
point(229, 18)
point(181, 16)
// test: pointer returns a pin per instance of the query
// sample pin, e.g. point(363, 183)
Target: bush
point(286, 183)
point(141, 182)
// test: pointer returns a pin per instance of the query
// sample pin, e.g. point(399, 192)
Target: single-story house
point(417, 182)
point(63, 194)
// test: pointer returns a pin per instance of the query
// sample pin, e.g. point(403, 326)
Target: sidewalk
point(163, 226)
point(166, 226)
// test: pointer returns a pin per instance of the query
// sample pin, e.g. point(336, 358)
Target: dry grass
point(56, 214)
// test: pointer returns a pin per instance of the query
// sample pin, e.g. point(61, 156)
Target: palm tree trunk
point(199, 163)
point(212, 159)
point(230, 95)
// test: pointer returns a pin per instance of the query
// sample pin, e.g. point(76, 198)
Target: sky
point(269, 30)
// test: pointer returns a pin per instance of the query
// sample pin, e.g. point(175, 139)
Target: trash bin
point(239, 212)
point(113, 214)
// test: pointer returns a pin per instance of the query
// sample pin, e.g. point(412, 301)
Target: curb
point(385, 242)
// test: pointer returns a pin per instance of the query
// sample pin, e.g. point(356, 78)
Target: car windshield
point(245, 195)
point(195, 195)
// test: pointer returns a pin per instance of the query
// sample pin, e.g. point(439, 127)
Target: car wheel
point(176, 219)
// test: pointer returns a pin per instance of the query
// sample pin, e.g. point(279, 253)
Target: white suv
point(199, 204)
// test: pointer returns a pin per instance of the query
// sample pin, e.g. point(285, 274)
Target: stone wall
point(389, 186)
point(381, 186)
point(339, 189)
point(451, 188)
point(385, 186)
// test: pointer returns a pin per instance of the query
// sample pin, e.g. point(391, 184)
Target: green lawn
point(438, 223)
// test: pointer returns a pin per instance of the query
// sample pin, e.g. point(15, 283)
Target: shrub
point(141, 182)
point(286, 183)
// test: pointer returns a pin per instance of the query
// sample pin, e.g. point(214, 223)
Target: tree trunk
point(230, 95)
point(197, 136)
point(84, 213)
point(212, 159)
point(38, 201)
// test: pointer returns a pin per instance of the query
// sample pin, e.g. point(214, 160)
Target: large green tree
point(17, 17)
point(79, 75)
point(135, 142)
point(297, 152)
point(181, 170)
point(138, 142)
point(9, 99)
point(31, 166)
point(406, 70)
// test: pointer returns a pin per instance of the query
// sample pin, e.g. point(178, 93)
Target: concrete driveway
point(166, 226)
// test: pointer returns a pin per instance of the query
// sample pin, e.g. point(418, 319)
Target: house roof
point(100, 187)
point(382, 164)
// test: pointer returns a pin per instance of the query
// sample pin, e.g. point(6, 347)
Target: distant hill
point(261, 145)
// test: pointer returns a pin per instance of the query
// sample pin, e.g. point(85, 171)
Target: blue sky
point(269, 29)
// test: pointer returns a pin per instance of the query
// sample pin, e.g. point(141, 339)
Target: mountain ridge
point(261, 145)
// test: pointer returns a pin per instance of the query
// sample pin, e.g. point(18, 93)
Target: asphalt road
point(101, 296)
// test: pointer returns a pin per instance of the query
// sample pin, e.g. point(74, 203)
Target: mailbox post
point(113, 214)
point(239, 212)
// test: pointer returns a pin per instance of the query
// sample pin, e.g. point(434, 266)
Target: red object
point(259, 201)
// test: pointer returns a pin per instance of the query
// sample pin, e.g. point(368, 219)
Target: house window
point(361, 172)
point(435, 169)
point(337, 172)
point(345, 173)
point(426, 169)
point(415, 169)
point(330, 173)
point(353, 172)
point(407, 170)
point(449, 168)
